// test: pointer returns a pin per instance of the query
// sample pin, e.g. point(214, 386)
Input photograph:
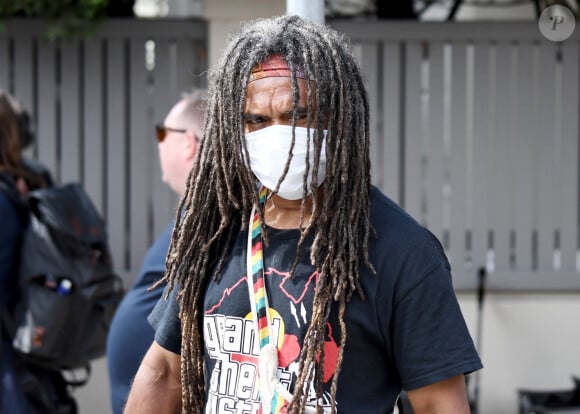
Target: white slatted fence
point(475, 133)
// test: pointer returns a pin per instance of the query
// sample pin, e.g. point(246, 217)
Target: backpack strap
point(46, 391)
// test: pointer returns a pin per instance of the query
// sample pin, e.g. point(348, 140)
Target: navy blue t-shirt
point(130, 336)
point(409, 331)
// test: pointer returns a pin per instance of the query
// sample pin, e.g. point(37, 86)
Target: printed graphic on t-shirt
point(231, 341)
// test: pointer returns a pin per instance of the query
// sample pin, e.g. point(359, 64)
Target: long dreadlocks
point(221, 189)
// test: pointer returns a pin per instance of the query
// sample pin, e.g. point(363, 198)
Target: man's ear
point(191, 145)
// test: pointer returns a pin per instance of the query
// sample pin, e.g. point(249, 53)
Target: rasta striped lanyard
point(256, 283)
point(271, 390)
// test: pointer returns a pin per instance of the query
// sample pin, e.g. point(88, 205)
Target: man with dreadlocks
point(293, 285)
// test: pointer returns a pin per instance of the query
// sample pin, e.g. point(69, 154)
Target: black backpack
point(68, 290)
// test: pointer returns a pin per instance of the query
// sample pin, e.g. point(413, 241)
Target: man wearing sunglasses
point(130, 335)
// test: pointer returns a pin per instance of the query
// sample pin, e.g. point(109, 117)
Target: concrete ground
point(93, 398)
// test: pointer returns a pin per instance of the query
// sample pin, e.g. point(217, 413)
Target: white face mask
point(269, 148)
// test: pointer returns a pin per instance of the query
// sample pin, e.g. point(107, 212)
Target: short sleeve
point(430, 336)
point(164, 318)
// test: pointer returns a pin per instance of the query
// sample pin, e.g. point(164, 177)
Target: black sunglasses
point(161, 131)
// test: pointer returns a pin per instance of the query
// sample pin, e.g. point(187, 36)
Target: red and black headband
point(274, 66)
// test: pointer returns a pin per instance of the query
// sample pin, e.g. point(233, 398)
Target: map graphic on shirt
point(232, 342)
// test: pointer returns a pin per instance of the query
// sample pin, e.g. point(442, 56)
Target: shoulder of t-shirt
point(154, 260)
point(393, 224)
point(402, 242)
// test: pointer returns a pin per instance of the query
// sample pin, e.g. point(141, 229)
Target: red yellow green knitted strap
point(258, 295)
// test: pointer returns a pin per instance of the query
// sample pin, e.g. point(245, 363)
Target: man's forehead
point(274, 90)
point(274, 66)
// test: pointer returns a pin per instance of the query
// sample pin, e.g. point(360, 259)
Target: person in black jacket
point(24, 388)
point(12, 175)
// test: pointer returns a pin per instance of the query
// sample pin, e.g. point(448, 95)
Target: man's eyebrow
point(251, 116)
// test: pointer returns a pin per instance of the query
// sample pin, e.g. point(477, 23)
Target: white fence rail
point(475, 132)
